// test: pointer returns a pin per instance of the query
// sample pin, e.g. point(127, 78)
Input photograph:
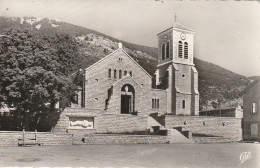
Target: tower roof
point(178, 26)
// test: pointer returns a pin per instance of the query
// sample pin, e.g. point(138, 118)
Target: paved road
point(163, 155)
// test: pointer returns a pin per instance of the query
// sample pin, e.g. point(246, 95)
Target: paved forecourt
point(159, 155)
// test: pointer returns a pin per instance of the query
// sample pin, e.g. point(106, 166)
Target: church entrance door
point(127, 99)
point(125, 104)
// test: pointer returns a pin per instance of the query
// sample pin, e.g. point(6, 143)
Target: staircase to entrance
point(177, 134)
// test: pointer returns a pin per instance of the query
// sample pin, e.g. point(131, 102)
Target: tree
point(35, 69)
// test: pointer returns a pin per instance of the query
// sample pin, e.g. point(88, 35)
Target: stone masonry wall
point(54, 139)
point(10, 138)
point(103, 123)
point(162, 96)
point(62, 124)
point(226, 127)
point(120, 123)
point(125, 139)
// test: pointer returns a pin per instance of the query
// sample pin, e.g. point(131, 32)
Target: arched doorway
point(127, 99)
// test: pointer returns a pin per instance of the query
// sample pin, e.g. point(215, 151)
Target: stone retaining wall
point(118, 123)
point(227, 127)
point(103, 123)
point(125, 139)
point(204, 140)
point(10, 138)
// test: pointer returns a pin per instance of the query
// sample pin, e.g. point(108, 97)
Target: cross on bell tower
point(175, 18)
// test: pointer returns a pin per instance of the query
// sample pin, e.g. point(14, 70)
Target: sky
point(227, 33)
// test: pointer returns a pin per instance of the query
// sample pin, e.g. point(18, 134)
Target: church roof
point(178, 26)
point(119, 49)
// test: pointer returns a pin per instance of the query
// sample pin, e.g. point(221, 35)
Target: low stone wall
point(10, 138)
point(54, 139)
point(227, 127)
point(125, 139)
point(118, 123)
point(78, 134)
point(204, 140)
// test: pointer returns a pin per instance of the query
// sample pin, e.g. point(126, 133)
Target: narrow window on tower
point(163, 51)
point(130, 73)
point(125, 73)
point(109, 73)
point(253, 108)
point(186, 50)
point(158, 104)
point(168, 50)
point(120, 74)
point(152, 103)
point(180, 49)
point(183, 104)
point(115, 73)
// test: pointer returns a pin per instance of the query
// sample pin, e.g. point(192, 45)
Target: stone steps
point(154, 125)
point(178, 137)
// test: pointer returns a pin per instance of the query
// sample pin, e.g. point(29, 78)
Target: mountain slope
point(218, 87)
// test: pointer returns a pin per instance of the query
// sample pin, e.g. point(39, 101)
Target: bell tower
point(176, 71)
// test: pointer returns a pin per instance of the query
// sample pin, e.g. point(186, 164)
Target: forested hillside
point(218, 87)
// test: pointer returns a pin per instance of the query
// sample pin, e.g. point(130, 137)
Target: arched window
point(168, 50)
point(180, 49)
point(183, 104)
point(109, 73)
point(115, 73)
point(120, 74)
point(163, 51)
point(158, 103)
point(125, 73)
point(130, 73)
point(186, 50)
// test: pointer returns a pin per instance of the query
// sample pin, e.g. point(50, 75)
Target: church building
point(118, 97)
point(117, 84)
